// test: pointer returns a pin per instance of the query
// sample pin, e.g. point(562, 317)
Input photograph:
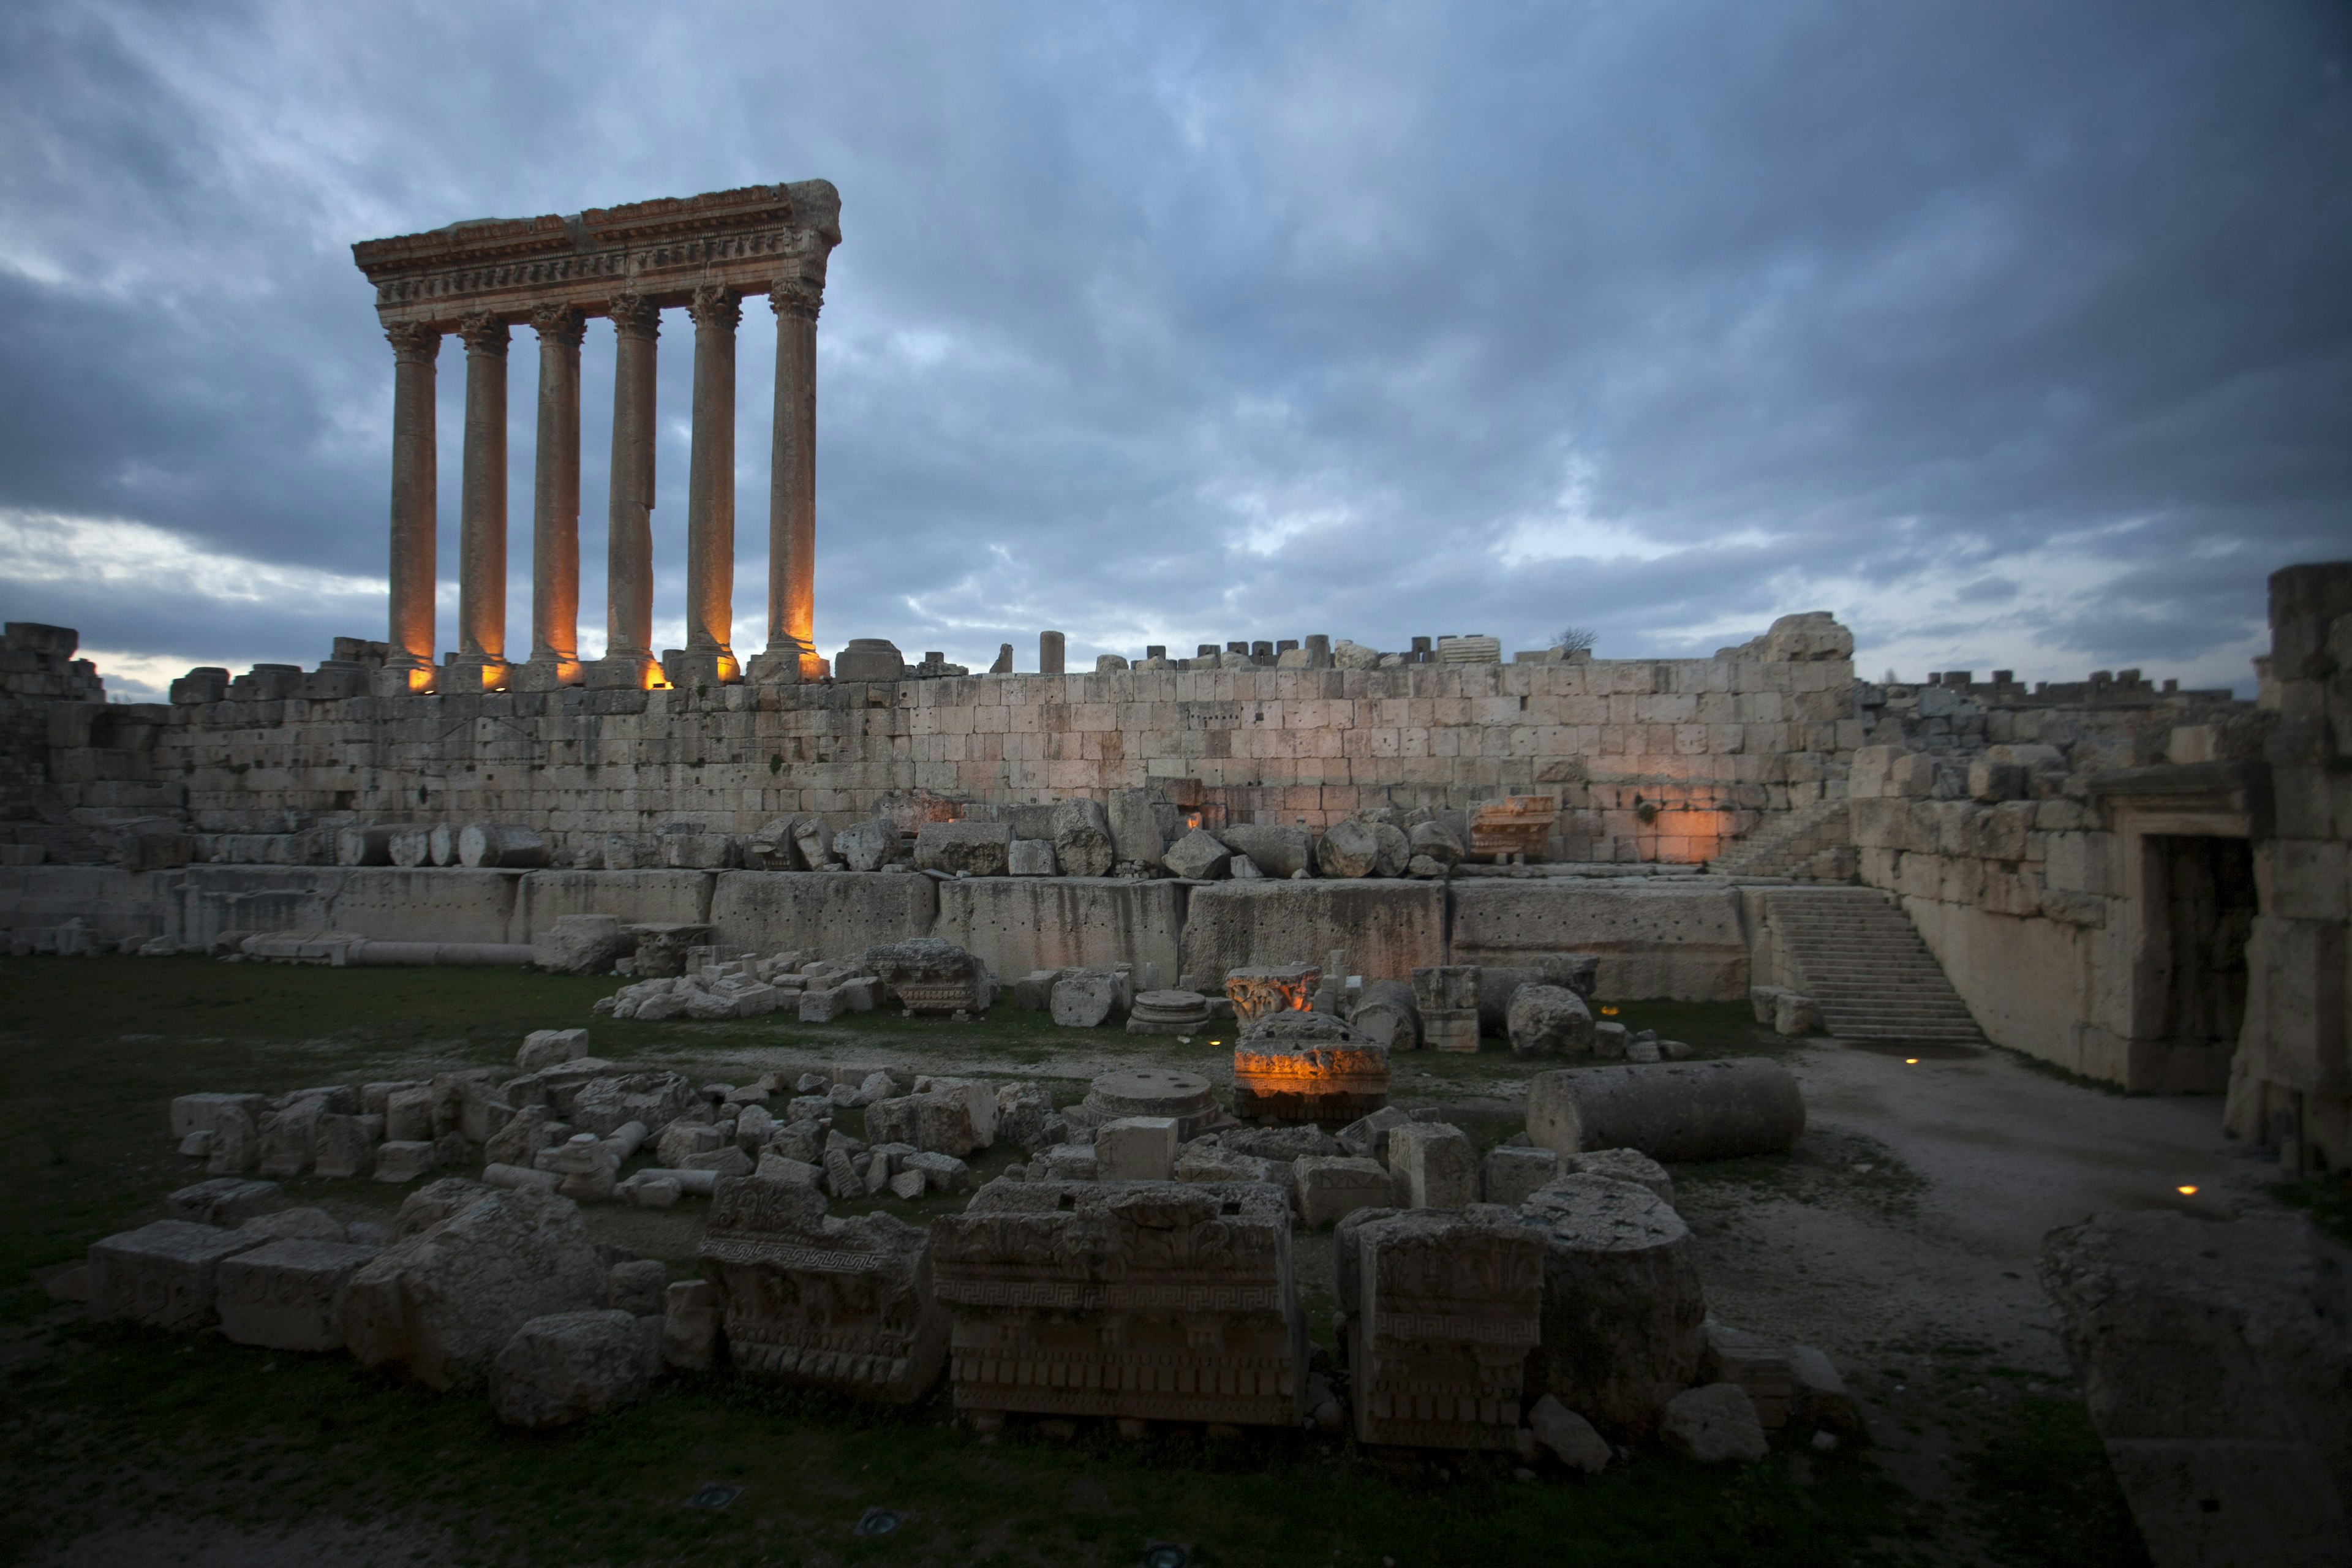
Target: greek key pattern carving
point(1072, 1297)
point(1436, 1328)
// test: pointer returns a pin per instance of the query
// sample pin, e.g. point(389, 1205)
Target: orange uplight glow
point(2186, 1192)
point(1910, 1061)
point(1608, 1012)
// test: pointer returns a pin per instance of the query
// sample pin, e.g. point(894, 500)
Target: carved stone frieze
point(1151, 1301)
point(741, 240)
point(1442, 1309)
point(845, 1304)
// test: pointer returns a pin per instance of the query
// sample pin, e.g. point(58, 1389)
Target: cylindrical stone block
point(1388, 1015)
point(1622, 1302)
point(710, 475)
point(415, 480)
point(482, 506)
point(1669, 1110)
point(629, 539)
point(555, 489)
point(1049, 653)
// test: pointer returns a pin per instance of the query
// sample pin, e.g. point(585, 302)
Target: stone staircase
point(1855, 953)
point(1813, 843)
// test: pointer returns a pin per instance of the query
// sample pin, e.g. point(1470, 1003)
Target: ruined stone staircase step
point(1859, 957)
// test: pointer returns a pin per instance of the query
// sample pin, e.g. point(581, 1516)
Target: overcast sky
point(2018, 335)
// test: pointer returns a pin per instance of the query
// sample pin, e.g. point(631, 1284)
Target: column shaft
point(482, 505)
point(415, 477)
point(792, 484)
point(555, 502)
point(710, 489)
point(629, 539)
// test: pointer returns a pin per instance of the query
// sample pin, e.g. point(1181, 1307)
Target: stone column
point(711, 495)
point(555, 506)
point(796, 297)
point(414, 476)
point(629, 540)
point(1049, 653)
point(482, 511)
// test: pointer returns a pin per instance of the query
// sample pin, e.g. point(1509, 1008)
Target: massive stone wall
point(1652, 759)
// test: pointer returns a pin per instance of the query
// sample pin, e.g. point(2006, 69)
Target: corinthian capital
point(634, 316)
point(559, 325)
point(715, 307)
point(795, 296)
point(414, 341)
point(483, 333)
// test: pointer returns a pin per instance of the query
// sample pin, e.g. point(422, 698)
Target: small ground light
point(1608, 1012)
point(876, 1521)
point(714, 1497)
point(2186, 1192)
point(1910, 1061)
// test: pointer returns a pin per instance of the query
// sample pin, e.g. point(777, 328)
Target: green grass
point(101, 1424)
point(2046, 1495)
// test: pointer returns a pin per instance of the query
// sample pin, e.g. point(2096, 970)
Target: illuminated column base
point(627, 672)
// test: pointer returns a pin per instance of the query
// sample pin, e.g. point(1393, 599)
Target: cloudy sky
point(2018, 335)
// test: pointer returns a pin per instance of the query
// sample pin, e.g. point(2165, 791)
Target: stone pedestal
point(1152, 1092)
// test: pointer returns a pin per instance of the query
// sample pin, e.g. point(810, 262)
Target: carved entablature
point(746, 241)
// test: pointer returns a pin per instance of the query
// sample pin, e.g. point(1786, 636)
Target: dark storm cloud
point(2015, 335)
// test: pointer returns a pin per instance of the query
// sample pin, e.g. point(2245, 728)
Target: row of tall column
point(709, 657)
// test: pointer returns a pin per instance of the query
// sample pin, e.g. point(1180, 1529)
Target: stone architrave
point(1308, 1067)
point(1447, 1308)
point(1447, 995)
point(808, 1299)
point(1257, 993)
point(1154, 1301)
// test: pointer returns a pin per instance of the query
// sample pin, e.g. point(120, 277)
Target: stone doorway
point(2200, 907)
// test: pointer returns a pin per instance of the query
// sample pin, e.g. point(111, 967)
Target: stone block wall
point(1652, 759)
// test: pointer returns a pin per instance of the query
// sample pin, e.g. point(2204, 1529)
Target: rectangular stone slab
point(283, 1296)
point(164, 1274)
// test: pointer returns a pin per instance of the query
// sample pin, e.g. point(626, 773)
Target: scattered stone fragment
point(1757, 1365)
point(201, 1112)
point(1510, 1176)
point(1819, 1393)
point(544, 1048)
point(1198, 855)
point(1549, 1021)
point(237, 1141)
point(521, 1178)
point(1622, 1305)
point(1084, 998)
point(1326, 1188)
point(225, 1200)
point(1712, 1424)
point(908, 1184)
point(402, 1161)
point(1623, 1166)
point(568, 1366)
point(1569, 1437)
point(1434, 1166)
point(940, 1172)
point(1367, 1137)
point(637, 1287)
point(344, 1146)
point(1136, 1148)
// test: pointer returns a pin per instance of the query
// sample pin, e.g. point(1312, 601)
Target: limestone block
point(1352, 848)
point(1018, 925)
point(441, 1303)
point(1135, 831)
point(1136, 1148)
point(411, 846)
point(726, 1161)
point(1280, 851)
point(690, 1325)
point(518, 1142)
point(1138, 1301)
point(403, 1160)
point(1678, 943)
point(1795, 1015)
point(1569, 1437)
point(1549, 1020)
point(285, 1295)
point(1030, 857)
point(637, 1286)
point(1621, 1165)
point(832, 912)
point(165, 1274)
point(682, 1139)
point(288, 1137)
point(1669, 1110)
point(1327, 1188)
point(1820, 1399)
point(868, 846)
point(945, 1123)
point(940, 1172)
point(1207, 1161)
point(1434, 1166)
point(1448, 1307)
point(1713, 1425)
point(1083, 999)
point(1368, 1138)
point(1622, 1305)
point(201, 1112)
point(1199, 855)
point(225, 1201)
point(807, 1298)
point(973, 848)
point(1511, 1176)
point(1388, 928)
point(823, 1007)
point(2215, 1360)
point(1388, 1015)
point(579, 944)
point(568, 1366)
point(344, 1146)
point(1083, 845)
point(500, 846)
point(544, 1048)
